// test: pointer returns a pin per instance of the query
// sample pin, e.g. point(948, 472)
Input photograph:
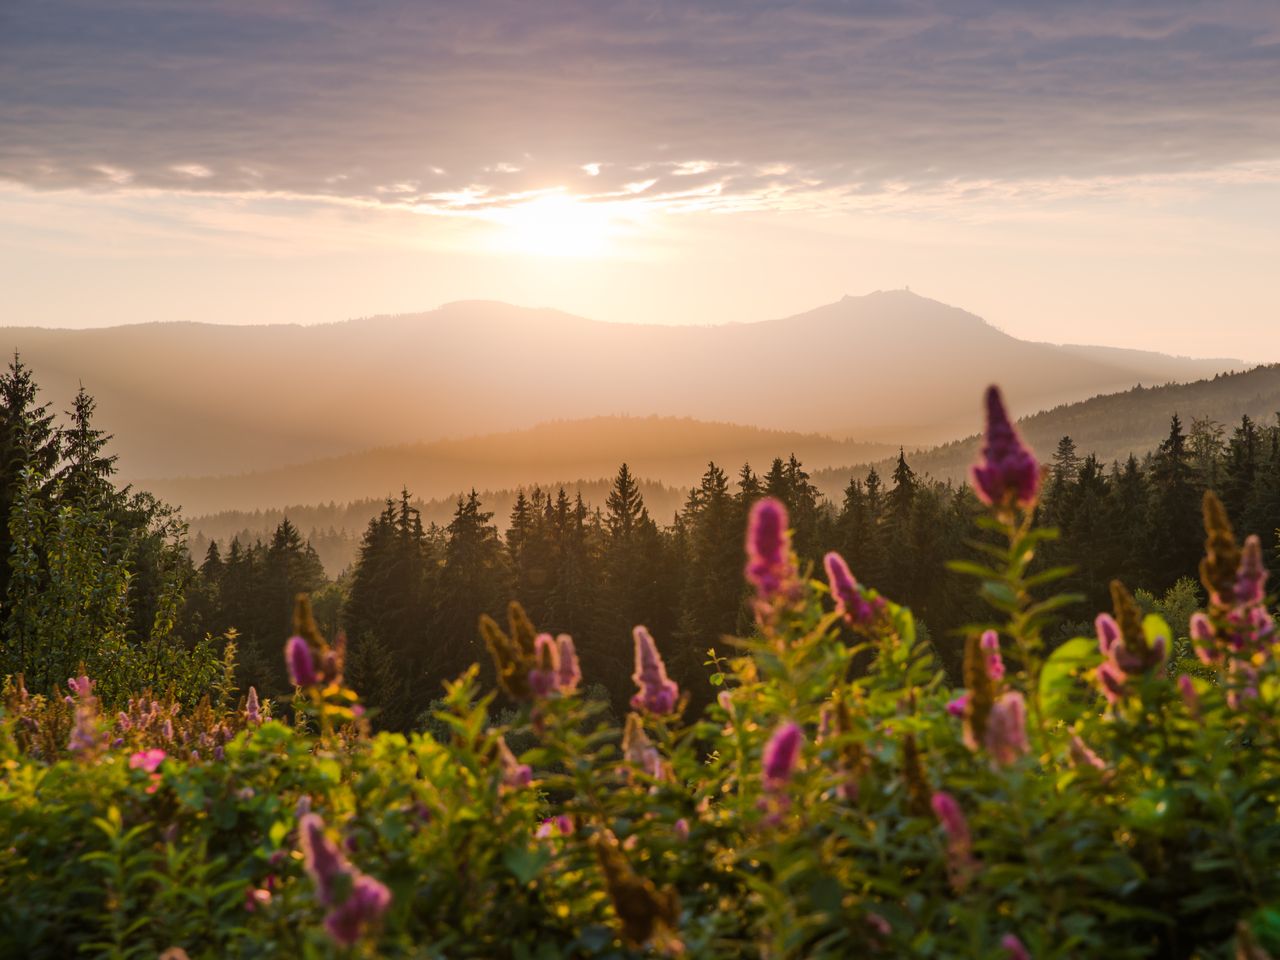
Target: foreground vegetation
point(1114, 795)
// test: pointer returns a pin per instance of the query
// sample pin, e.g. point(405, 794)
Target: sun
point(557, 225)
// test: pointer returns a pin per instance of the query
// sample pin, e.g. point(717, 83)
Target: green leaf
point(1060, 671)
point(525, 863)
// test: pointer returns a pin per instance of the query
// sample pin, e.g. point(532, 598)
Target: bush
point(837, 799)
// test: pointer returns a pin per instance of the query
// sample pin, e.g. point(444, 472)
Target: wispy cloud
point(726, 105)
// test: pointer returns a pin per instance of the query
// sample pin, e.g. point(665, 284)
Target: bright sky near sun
point(1101, 171)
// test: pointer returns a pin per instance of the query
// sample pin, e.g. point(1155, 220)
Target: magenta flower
point(681, 828)
point(147, 760)
point(1251, 577)
point(1013, 948)
point(1082, 754)
point(301, 664)
point(780, 755)
point(770, 568)
point(1008, 474)
point(960, 862)
point(252, 709)
point(570, 674)
point(1006, 734)
point(543, 677)
point(990, 643)
point(1189, 696)
point(1202, 637)
point(515, 775)
point(365, 905)
point(367, 899)
point(850, 602)
point(321, 857)
point(658, 693)
point(86, 736)
point(959, 705)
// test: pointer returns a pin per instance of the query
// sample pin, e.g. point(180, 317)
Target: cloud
point(706, 104)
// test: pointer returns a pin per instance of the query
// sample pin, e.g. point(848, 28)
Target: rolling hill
point(189, 399)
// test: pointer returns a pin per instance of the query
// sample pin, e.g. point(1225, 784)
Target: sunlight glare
point(557, 225)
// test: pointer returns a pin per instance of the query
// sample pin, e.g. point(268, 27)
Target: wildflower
point(86, 739)
point(770, 566)
point(1203, 637)
point(570, 674)
point(1123, 641)
point(780, 755)
point(647, 914)
point(514, 654)
point(1083, 756)
point(850, 603)
point(147, 760)
point(301, 664)
point(366, 900)
point(1013, 948)
point(990, 643)
point(252, 709)
point(1008, 474)
point(543, 677)
point(256, 897)
point(979, 692)
point(639, 750)
point(658, 693)
point(681, 828)
point(1251, 575)
point(561, 825)
point(1006, 736)
point(1189, 696)
point(515, 774)
point(960, 862)
point(958, 706)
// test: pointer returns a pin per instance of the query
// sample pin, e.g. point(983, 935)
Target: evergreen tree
point(1175, 534)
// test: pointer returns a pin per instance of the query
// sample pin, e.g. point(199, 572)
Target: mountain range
point(188, 399)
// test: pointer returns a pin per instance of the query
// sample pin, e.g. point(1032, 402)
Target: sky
point(1094, 171)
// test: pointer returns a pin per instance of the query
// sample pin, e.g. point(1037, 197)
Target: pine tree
point(87, 469)
point(1175, 534)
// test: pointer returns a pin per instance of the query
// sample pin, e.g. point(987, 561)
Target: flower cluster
point(771, 566)
point(961, 864)
point(1238, 631)
point(857, 610)
point(1124, 644)
point(355, 901)
point(657, 693)
point(995, 716)
point(556, 667)
point(1008, 473)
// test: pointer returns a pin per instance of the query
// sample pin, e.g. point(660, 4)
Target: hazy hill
point(662, 449)
point(201, 399)
point(1113, 426)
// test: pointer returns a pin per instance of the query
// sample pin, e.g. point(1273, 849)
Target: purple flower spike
point(1251, 578)
point(1008, 474)
point(366, 904)
point(769, 567)
point(1108, 633)
point(959, 705)
point(844, 588)
point(321, 857)
point(570, 674)
point(1006, 737)
point(990, 643)
point(658, 693)
point(252, 708)
point(781, 753)
point(954, 824)
point(542, 678)
point(302, 666)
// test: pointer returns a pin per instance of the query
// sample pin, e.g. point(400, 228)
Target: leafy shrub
point(837, 799)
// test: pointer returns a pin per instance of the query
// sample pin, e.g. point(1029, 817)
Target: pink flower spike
point(781, 753)
point(570, 673)
point(1006, 737)
point(769, 566)
point(658, 693)
point(1008, 474)
point(959, 705)
point(301, 664)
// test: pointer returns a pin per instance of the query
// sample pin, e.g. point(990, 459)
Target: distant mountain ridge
point(893, 367)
